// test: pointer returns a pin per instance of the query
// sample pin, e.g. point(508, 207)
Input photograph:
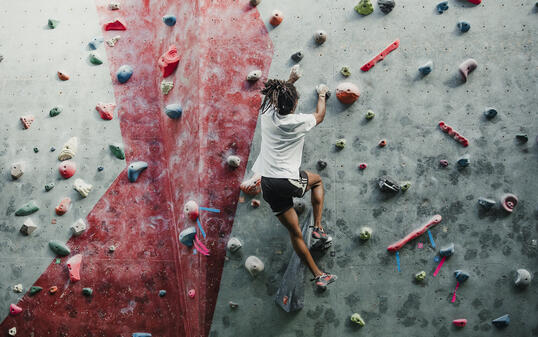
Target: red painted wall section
point(219, 43)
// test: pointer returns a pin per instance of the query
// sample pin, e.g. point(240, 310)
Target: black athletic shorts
point(279, 192)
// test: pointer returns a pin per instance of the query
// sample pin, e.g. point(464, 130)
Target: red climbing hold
point(363, 166)
point(67, 169)
point(347, 92)
point(73, 264)
point(381, 56)
point(27, 121)
point(168, 61)
point(475, 2)
point(415, 234)
point(115, 25)
point(251, 186)
point(454, 134)
point(461, 322)
point(63, 207)
point(14, 309)
point(106, 110)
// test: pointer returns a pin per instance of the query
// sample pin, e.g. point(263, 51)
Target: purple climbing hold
point(134, 170)
point(447, 251)
point(186, 236)
point(461, 276)
point(124, 73)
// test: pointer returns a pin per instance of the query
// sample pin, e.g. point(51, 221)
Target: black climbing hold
point(489, 113)
point(464, 26)
point(100, 168)
point(36, 150)
point(321, 165)
point(426, 68)
point(386, 6)
point(461, 276)
point(522, 138)
point(464, 161)
point(502, 321)
point(387, 184)
point(298, 56)
point(447, 251)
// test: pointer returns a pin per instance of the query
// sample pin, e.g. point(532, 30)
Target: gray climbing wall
point(490, 245)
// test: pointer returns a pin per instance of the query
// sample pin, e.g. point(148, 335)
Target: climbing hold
point(14, 309)
point(442, 6)
point(52, 149)
point(522, 138)
point(320, 37)
point(323, 89)
point(111, 249)
point(106, 110)
point(434, 220)
point(276, 18)
point(298, 56)
point(1, 58)
point(347, 92)
point(113, 40)
point(87, 291)
point(17, 288)
point(443, 162)
point(95, 58)
point(233, 305)
point(191, 293)
point(357, 319)
point(426, 68)
point(460, 322)
point(115, 25)
point(114, 6)
point(321, 165)
point(464, 161)
point(56, 111)
point(27, 121)
point(365, 233)
point(382, 143)
point(141, 334)
point(12, 331)
point(82, 187)
point(169, 20)
point(162, 293)
point(461, 276)
point(369, 115)
point(254, 265)
point(486, 203)
point(453, 133)
point(363, 166)
point(53, 290)
point(62, 76)
point(36, 149)
point(490, 113)
point(467, 67)
point(166, 86)
point(254, 75)
point(34, 290)
point(63, 206)
point(191, 210)
point(28, 227)
point(17, 170)
point(124, 73)
point(27, 209)
point(381, 56)
point(420, 276)
point(388, 184)
point(464, 26)
point(73, 265)
point(69, 149)
point(509, 202)
point(340, 143)
point(475, 2)
point(364, 7)
point(345, 71)
point(234, 244)
point(95, 42)
point(168, 61)
point(187, 235)
point(502, 321)
point(100, 168)
point(386, 6)
point(173, 111)
point(59, 248)
point(52, 23)
point(67, 168)
point(134, 170)
point(233, 161)
point(255, 3)
point(117, 151)
point(523, 278)
point(447, 250)
point(299, 205)
point(405, 186)
point(255, 203)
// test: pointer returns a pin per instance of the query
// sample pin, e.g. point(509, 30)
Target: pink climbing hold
point(509, 202)
point(192, 293)
point(460, 322)
point(191, 210)
point(106, 110)
point(363, 166)
point(14, 309)
point(168, 61)
point(63, 207)
point(27, 121)
point(475, 2)
point(381, 56)
point(67, 169)
point(115, 25)
point(73, 265)
point(347, 92)
point(454, 134)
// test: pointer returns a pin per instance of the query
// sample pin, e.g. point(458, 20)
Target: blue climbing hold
point(464, 161)
point(95, 42)
point(461, 276)
point(169, 20)
point(489, 113)
point(187, 236)
point(442, 6)
point(124, 73)
point(141, 334)
point(426, 68)
point(502, 321)
point(135, 169)
point(447, 251)
point(162, 293)
point(464, 26)
point(173, 111)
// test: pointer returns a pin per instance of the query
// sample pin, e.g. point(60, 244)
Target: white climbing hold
point(166, 86)
point(254, 75)
point(112, 41)
point(254, 265)
point(28, 227)
point(82, 187)
point(12, 331)
point(190, 209)
point(114, 6)
point(17, 288)
point(69, 149)
point(17, 170)
point(234, 244)
point(78, 227)
point(523, 278)
point(234, 161)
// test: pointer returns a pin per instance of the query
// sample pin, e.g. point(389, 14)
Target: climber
point(278, 163)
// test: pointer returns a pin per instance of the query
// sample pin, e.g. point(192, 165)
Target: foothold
point(28, 227)
point(111, 249)
point(27, 209)
point(320, 37)
point(298, 56)
point(113, 40)
point(522, 138)
point(166, 86)
point(299, 205)
point(187, 235)
point(443, 162)
point(490, 113)
point(174, 111)
point(357, 319)
point(82, 187)
point(381, 56)
point(463, 161)
point(134, 170)
point(14, 309)
point(117, 151)
point(453, 133)
point(251, 186)
point(63, 206)
point(467, 67)
point(59, 248)
point(106, 110)
point(169, 20)
point(382, 143)
point(464, 26)
point(95, 58)
point(509, 202)
point(62, 76)
point(17, 170)
point(461, 276)
point(53, 290)
point(17, 288)
point(191, 293)
point(486, 203)
point(340, 144)
point(52, 23)
point(95, 42)
point(255, 203)
point(78, 227)
point(69, 149)
point(141, 334)
point(523, 278)
point(73, 265)
point(405, 186)
point(460, 322)
point(114, 6)
point(475, 2)
point(233, 161)
point(388, 184)
point(124, 73)
point(254, 75)
point(415, 233)
point(420, 276)
point(56, 111)
point(442, 7)
point(34, 290)
point(321, 165)
point(502, 321)
point(255, 3)
point(386, 6)
point(369, 115)
point(162, 293)
point(52, 149)
point(233, 305)
point(191, 210)
point(12, 331)
point(364, 7)
point(345, 71)
point(447, 250)
point(276, 18)
point(87, 292)
point(115, 25)
point(168, 61)
point(254, 265)
point(234, 244)
point(347, 92)
point(365, 233)
point(363, 166)
point(100, 168)
point(426, 68)
point(36, 149)
point(67, 169)
point(27, 121)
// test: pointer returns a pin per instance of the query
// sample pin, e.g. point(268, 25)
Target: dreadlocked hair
point(281, 95)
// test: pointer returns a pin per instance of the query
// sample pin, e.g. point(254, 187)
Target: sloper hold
point(461, 276)
point(276, 18)
point(234, 244)
point(69, 149)
point(298, 56)
point(14, 309)
point(254, 75)
point(187, 235)
point(233, 161)
point(254, 265)
point(78, 227)
point(27, 121)
point(63, 206)
point(27, 209)
point(386, 6)
point(95, 42)
point(347, 92)
point(106, 110)
point(173, 111)
point(191, 210)
point(168, 61)
point(509, 202)
point(502, 321)
point(467, 67)
point(124, 73)
point(381, 56)
point(364, 7)
point(134, 170)
point(486, 203)
point(320, 37)
point(523, 278)
point(460, 322)
point(28, 227)
point(59, 248)
point(447, 250)
point(426, 68)
point(82, 187)
point(464, 26)
point(73, 265)
point(67, 169)
point(117, 151)
point(115, 25)
point(17, 170)
point(169, 20)
point(490, 113)
point(442, 7)
point(56, 111)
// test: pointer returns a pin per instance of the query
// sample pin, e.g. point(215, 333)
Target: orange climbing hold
point(347, 92)
point(115, 25)
point(53, 290)
point(63, 76)
point(63, 207)
point(106, 110)
point(168, 61)
point(27, 121)
point(73, 264)
point(276, 18)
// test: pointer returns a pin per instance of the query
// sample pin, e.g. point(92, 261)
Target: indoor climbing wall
point(489, 244)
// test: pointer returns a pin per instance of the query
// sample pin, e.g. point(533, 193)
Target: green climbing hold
point(420, 276)
point(340, 143)
point(365, 233)
point(95, 59)
point(405, 186)
point(53, 23)
point(58, 261)
point(59, 248)
point(87, 291)
point(369, 115)
point(364, 7)
point(49, 186)
point(36, 149)
point(34, 290)
point(56, 111)
point(357, 319)
point(27, 209)
point(345, 71)
point(117, 151)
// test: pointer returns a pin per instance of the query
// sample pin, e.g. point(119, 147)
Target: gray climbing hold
point(95, 58)
point(27, 209)
point(490, 113)
point(464, 161)
point(174, 111)
point(28, 227)
point(298, 56)
point(82, 187)
point(299, 205)
point(56, 111)
point(365, 233)
point(52, 23)
point(49, 186)
point(320, 36)
point(134, 170)
point(447, 250)
point(502, 321)
point(321, 165)
point(59, 248)
point(388, 184)
point(461, 276)
point(442, 6)
point(17, 170)
point(169, 20)
point(254, 75)
point(187, 235)
point(467, 67)
point(95, 42)
point(464, 26)
point(234, 244)
point(78, 227)
point(233, 161)
point(386, 6)
point(486, 203)
point(254, 265)
point(124, 73)
point(426, 68)
point(523, 278)
point(162, 293)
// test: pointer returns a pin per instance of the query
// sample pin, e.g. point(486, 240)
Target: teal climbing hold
point(95, 59)
point(364, 7)
point(464, 26)
point(34, 290)
point(59, 248)
point(117, 151)
point(162, 293)
point(124, 73)
point(134, 170)
point(141, 334)
point(56, 111)
point(173, 111)
point(27, 209)
point(186, 236)
point(87, 291)
point(169, 20)
point(53, 23)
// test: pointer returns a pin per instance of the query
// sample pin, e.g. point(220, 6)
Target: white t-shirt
point(282, 144)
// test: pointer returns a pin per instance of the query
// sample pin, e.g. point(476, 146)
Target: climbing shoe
point(319, 234)
point(321, 244)
point(323, 280)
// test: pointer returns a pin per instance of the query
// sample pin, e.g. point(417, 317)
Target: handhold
point(405, 186)
point(113, 40)
point(475, 2)
point(364, 7)
point(298, 56)
point(453, 133)
point(34, 290)
point(502, 321)
point(447, 250)
point(12, 331)
point(17, 170)
point(191, 210)
point(426, 68)
point(36, 149)
point(323, 89)
point(251, 186)
point(340, 144)
point(523, 278)
point(461, 276)
point(276, 18)
point(357, 319)
point(95, 42)
point(233, 161)
point(420, 276)
point(168, 61)
point(387, 184)
point(386, 6)
point(234, 244)
point(347, 92)
point(162, 293)
point(321, 165)
point(381, 56)
point(27, 209)
point(173, 111)
point(522, 138)
point(115, 25)
point(369, 115)
point(233, 305)
point(82, 187)
point(187, 235)
point(442, 6)
point(52, 23)
point(134, 170)
point(467, 67)
point(191, 293)
point(63, 206)
point(486, 203)
point(490, 113)
point(52, 149)
point(124, 73)
point(114, 6)
point(320, 37)
point(95, 58)
point(62, 76)
point(382, 143)
point(254, 265)
point(56, 111)
point(169, 20)
point(464, 26)
point(100, 168)
point(67, 169)
point(106, 110)
point(69, 149)
point(255, 203)
point(28, 227)
point(460, 322)
point(111, 249)
point(254, 75)
point(53, 290)
point(509, 202)
point(27, 121)
point(117, 151)
point(363, 166)
point(299, 205)
point(464, 161)
point(17, 288)
point(415, 233)
point(365, 233)
point(166, 86)
point(141, 334)
point(345, 71)
point(59, 248)
point(87, 292)
point(14, 309)
point(443, 162)
point(73, 265)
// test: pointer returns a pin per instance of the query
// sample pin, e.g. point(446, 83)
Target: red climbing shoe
point(319, 234)
point(324, 280)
